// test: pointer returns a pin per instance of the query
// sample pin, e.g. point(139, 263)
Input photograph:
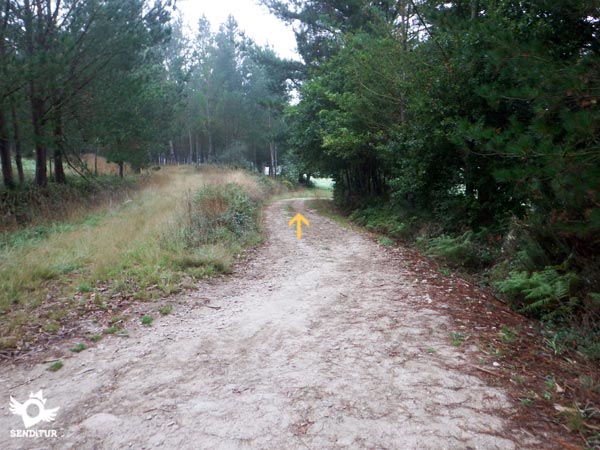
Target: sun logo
point(37, 400)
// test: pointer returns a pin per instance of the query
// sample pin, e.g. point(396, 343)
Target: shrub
point(287, 184)
point(546, 294)
point(457, 251)
point(221, 213)
point(382, 220)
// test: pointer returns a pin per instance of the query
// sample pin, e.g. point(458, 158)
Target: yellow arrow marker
point(299, 219)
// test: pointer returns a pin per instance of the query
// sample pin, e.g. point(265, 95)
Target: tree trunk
point(7, 173)
point(41, 174)
point(96, 161)
point(37, 110)
point(17, 139)
point(474, 9)
point(273, 166)
point(49, 169)
point(59, 170)
point(191, 157)
point(36, 37)
point(121, 165)
point(210, 148)
point(209, 156)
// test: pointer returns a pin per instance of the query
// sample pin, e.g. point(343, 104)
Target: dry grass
point(102, 165)
point(32, 206)
point(122, 249)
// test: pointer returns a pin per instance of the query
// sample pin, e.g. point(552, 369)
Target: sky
point(251, 17)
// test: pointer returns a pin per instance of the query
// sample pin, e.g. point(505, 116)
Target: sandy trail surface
point(327, 342)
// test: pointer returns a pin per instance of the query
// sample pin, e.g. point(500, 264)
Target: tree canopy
point(472, 114)
point(475, 114)
point(122, 79)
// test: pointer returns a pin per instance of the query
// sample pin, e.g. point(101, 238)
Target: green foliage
point(457, 338)
point(568, 337)
point(382, 219)
point(222, 213)
point(386, 241)
point(456, 251)
point(78, 348)
point(165, 310)
point(545, 293)
point(55, 366)
point(468, 250)
point(220, 221)
point(147, 320)
point(84, 288)
point(508, 334)
point(485, 124)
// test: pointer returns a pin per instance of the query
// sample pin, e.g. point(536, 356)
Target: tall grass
point(182, 225)
point(28, 205)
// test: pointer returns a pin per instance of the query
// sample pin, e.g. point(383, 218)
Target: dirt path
point(322, 343)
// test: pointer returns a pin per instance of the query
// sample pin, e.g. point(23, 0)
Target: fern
point(546, 293)
point(457, 251)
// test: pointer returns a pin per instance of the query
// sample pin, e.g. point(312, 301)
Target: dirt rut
point(321, 343)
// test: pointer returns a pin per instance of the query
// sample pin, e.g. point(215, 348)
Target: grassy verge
point(326, 208)
point(509, 266)
point(31, 206)
point(303, 192)
point(184, 225)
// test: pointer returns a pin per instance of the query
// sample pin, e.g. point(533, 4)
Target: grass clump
point(386, 241)
point(147, 320)
point(165, 310)
point(78, 348)
point(84, 288)
point(56, 366)
point(112, 330)
point(457, 338)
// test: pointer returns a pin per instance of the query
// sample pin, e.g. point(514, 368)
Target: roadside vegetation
point(469, 129)
point(183, 225)
point(507, 263)
point(550, 371)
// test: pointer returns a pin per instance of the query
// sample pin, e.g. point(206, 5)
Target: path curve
point(321, 343)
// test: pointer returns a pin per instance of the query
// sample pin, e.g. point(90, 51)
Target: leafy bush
point(457, 251)
point(382, 220)
point(546, 294)
point(221, 213)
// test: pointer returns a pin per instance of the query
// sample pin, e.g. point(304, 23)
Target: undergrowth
point(185, 224)
point(512, 262)
point(30, 205)
point(219, 222)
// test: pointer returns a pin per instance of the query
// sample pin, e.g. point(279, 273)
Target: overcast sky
point(252, 17)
